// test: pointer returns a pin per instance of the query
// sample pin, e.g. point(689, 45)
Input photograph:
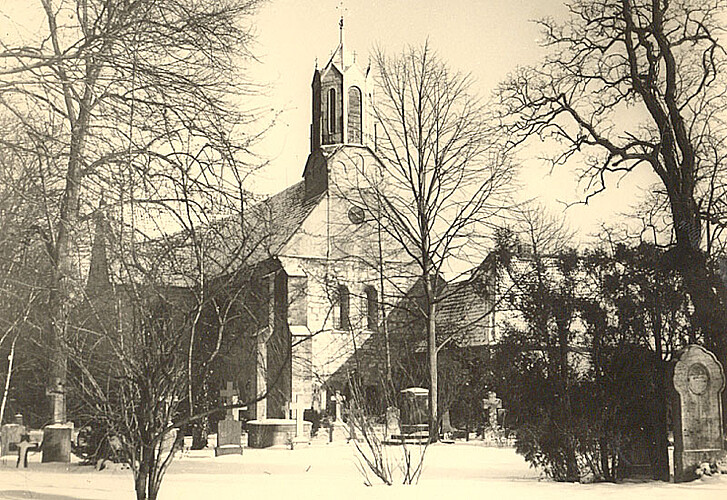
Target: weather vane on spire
point(343, 10)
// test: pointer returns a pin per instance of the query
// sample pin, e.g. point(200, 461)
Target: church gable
point(351, 168)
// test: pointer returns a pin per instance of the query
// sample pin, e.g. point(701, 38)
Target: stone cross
point(298, 406)
point(492, 403)
point(237, 411)
point(228, 396)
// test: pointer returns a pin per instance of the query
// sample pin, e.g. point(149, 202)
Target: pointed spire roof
point(337, 57)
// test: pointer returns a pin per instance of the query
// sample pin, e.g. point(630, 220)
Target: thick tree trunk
point(141, 481)
point(571, 463)
point(661, 430)
point(706, 291)
point(433, 379)
point(65, 276)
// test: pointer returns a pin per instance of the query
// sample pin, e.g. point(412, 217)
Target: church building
point(308, 288)
point(324, 259)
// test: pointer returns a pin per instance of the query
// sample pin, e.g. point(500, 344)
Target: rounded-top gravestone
point(698, 435)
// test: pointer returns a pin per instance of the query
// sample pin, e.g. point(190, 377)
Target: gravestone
point(337, 428)
point(300, 432)
point(57, 436)
point(492, 404)
point(10, 437)
point(57, 442)
point(393, 422)
point(698, 435)
point(415, 410)
point(229, 430)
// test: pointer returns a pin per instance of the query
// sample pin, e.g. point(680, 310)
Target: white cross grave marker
point(298, 407)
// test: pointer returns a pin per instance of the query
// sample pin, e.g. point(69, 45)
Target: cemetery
point(354, 289)
point(320, 468)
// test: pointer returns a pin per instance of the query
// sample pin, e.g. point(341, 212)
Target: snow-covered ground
point(322, 471)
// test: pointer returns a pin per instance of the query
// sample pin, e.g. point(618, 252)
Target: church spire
point(341, 100)
point(340, 38)
point(339, 54)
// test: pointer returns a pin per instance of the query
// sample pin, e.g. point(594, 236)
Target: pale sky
point(488, 38)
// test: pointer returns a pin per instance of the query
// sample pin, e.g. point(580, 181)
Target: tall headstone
point(229, 431)
point(298, 408)
point(57, 436)
point(337, 427)
point(698, 435)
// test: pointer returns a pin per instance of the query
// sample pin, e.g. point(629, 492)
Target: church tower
point(342, 100)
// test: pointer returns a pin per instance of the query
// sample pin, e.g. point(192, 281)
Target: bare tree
point(156, 313)
point(122, 98)
point(442, 177)
point(374, 452)
point(635, 84)
point(23, 266)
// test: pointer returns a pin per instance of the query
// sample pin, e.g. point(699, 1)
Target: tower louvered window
point(332, 111)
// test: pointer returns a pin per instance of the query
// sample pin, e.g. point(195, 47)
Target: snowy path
point(451, 472)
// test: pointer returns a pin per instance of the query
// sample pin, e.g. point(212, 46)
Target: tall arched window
point(372, 308)
point(344, 308)
point(354, 115)
point(332, 111)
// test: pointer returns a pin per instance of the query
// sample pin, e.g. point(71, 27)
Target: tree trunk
point(571, 463)
point(6, 389)
point(384, 327)
point(706, 292)
point(660, 453)
point(661, 429)
point(608, 474)
point(141, 481)
point(63, 295)
point(433, 379)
